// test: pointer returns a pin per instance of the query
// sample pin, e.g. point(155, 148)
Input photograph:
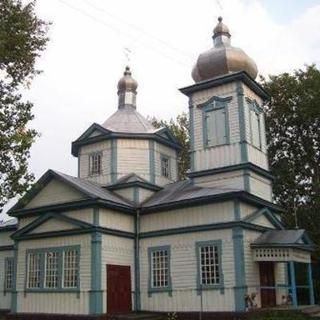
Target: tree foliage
point(180, 129)
point(293, 135)
point(22, 39)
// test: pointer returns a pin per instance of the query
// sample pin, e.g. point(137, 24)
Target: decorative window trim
point(165, 157)
point(168, 288)
point(90, 156)
point(7, 262)
point(254, 107)
point(215, 103)
point(60, 273)
point(200, 286)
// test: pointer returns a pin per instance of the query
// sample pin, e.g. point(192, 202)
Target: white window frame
point(34, 270)
point(70, 269)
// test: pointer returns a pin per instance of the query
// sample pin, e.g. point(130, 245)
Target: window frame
point(220, 285)
point(60, 269)
point(254, 107)
point(162, 158)
point(151, 288)
point(215, 104)
point(91, 161)
point(7, 261)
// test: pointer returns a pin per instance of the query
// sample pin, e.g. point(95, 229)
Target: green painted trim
point(310, 284)
point(242, 166)
point(217, 81)
point(6, 248)
point(168, 289)
point(200, 286)
point(114, 160)
point(9, 228)
point(254, 107)
point(293, 284)
point(203, 228)
point(237, 213)
point(246, 180)
point(59, 251)
point(240, 288)
point(152, 165)
point(268, 214)
point(14, 293)
point(191, 134)
point(137, 263)
point(96, 293)
point(136, 195)
point(242, 122)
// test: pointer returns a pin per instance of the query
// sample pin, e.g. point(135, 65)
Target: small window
point(34, 270)
point(8, 276)
point(95, 164)
point(70, 269)
point(160, 268)
point(165, 166)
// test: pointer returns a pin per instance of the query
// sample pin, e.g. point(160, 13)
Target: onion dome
point(127, 83)
point(222, 59)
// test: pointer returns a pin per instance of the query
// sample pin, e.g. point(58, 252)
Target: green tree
point(293, 134)
point(180, 129)
point(22, 39)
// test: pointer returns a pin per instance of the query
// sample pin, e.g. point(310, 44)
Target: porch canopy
point(287, 246)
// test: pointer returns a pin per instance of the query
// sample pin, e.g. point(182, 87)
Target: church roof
point(128, 120)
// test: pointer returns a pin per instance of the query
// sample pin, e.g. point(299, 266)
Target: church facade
point(127, 235)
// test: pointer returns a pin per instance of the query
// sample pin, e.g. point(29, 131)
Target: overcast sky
point(86, 57)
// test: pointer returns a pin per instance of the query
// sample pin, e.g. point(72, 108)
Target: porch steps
point(139, 316)
point(312, 311)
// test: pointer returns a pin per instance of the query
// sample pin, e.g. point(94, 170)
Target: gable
point(53, 193)
point(264, 217)
point(95, 133)
point(53, 225)
point(262, 220)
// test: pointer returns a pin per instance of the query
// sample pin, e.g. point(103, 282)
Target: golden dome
point(222, 59)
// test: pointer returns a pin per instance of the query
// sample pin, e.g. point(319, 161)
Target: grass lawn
point(281, 315)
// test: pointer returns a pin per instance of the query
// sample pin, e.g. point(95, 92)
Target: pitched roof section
point(128, 120)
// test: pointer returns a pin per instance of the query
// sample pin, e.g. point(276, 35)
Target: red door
point(118, 289)
point(268, 295)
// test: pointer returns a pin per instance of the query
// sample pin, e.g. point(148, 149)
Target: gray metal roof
point(183, 190)
point(131, 177)
point(281, 237)
point(128, 120)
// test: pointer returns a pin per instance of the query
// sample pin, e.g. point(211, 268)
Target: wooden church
point(125, 235)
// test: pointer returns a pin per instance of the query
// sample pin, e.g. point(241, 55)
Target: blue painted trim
point(254, 107)
point(242, 123)
point(237, 213)
point(14, 293)
point(96, 293)
point(59, 250)
point(114, 160)
point(168, 288)
point(152, 164)
point(246, 181)
point(240, 288)
point(293, 284)
point(310, 284)
point(96, 216)
point(191, 133)
point(136, 195)
point(200, 286)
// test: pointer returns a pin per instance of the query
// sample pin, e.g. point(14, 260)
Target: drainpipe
point(137, 261)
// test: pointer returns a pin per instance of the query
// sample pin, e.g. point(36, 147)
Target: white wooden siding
point(5, 239)
point(246, 209)
point(116, 220)
point(53, 193)
point(205, 214)
point(53, 225)
point(233, 180)
point(85, 151)
point(145, 194)
point(127, 193)
point(24, 221)
point(260, 186)
point(257, 157)
point(263, 221)
point(117, 251)
point(85, 215)
point(55, 302)
point(184, 272)
point(5, 298)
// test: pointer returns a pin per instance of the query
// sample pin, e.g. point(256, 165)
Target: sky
point(91, 42)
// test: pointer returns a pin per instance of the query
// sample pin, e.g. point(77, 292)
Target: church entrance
point(118, 289)
point(267, 283)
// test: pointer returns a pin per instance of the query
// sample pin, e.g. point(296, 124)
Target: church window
point(215, 124)
point(95, 160)
point(255, 126)
point(53, 269)
point(8, 275)
point(165, 166)
point(159, 260)
point(209, 264)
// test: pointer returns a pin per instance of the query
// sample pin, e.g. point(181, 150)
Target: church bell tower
point(227, 123)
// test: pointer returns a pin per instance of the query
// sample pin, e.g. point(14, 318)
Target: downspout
point(137, 261)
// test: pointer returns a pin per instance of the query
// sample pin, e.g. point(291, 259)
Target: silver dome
point(222, 58)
